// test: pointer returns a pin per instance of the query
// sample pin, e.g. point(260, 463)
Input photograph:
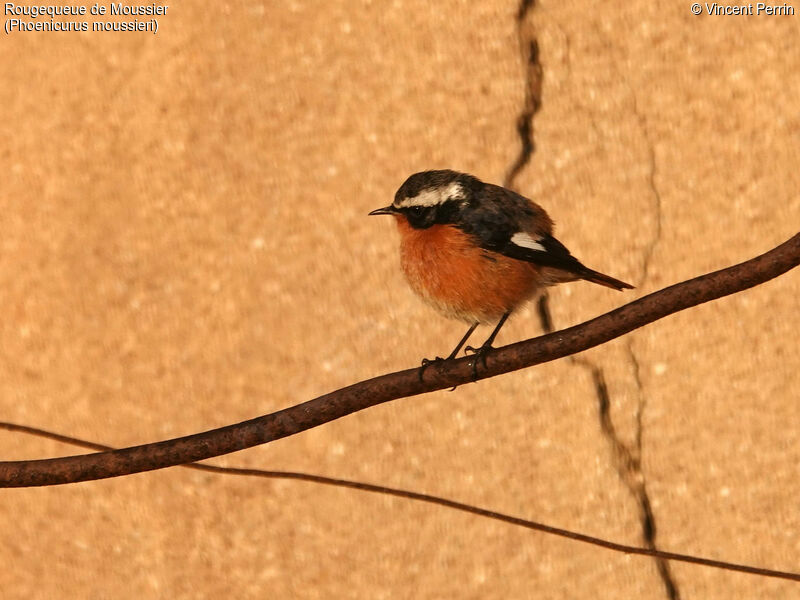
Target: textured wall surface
point(184, 244)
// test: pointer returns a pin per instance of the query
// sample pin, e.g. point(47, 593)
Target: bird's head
point(432, 198)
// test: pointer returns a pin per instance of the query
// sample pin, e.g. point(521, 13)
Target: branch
point(389, 387)
point(409, 495)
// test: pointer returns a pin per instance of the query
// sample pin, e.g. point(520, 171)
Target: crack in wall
point(529, 48)
point(638, 488)
point(657, 204)
point(629, 463)
point(627, 458)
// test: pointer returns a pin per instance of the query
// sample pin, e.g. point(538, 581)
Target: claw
point(426, 362)
point(480, 355)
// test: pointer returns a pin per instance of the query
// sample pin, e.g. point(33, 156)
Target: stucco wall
point(184, 244)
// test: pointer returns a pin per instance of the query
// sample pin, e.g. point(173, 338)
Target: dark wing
point(510, 224)
point(498, 213)
point(514, 226)
point(547, 251)
point(544, 250)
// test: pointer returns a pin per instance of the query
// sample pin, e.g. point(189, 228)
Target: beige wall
point(183, 245)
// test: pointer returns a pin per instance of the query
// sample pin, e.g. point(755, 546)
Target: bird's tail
point(602, 279)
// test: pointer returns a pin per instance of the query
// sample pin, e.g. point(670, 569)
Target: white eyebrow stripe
point(434, 196)
point(524, 240)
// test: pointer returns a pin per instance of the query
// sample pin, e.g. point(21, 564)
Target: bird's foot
point(480, 356)
point(427, 362)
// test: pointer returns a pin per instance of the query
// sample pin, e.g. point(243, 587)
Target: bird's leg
point(463, 341)
point(426, 361)
point(480, 353)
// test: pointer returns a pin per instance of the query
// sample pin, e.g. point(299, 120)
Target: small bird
point(476, 251)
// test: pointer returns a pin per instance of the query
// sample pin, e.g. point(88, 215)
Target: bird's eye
point(416, 210)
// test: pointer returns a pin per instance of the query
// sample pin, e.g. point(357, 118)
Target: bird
point(476, 251)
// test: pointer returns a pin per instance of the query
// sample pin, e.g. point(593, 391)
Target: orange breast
point(460, 279)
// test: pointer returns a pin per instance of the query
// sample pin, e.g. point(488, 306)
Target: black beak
point(388, 210)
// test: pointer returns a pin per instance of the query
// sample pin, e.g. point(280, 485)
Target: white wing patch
point(524, 240)
point(434, 196)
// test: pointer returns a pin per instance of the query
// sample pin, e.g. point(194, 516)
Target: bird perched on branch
point(476, 251)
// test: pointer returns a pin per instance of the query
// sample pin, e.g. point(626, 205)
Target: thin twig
point(409, 495)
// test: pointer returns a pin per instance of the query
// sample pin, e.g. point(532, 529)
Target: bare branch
point(389, 387)
point(409, 495)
